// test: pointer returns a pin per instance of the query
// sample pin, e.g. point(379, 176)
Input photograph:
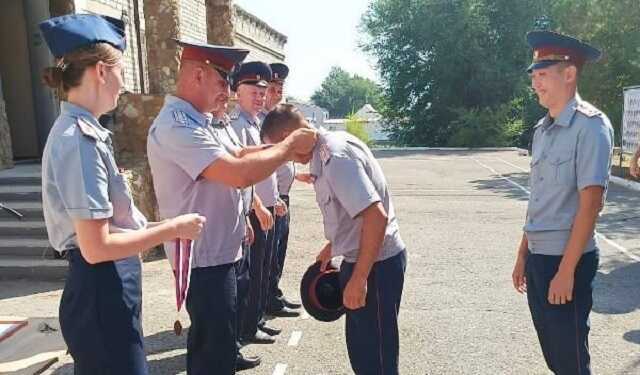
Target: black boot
point(270, 330)
point(289, 304)
point(285, 312)
point(246, 363)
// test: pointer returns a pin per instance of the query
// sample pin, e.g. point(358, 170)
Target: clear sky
point(321, 34)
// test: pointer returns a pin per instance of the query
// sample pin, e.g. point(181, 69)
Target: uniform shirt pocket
point(325, 202)
point(120, 198)
point(534, 168)
point(563, 168)
point(328, 210)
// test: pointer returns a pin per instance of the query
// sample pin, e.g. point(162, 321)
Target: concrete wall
point(6, 153)
point(17, 80)
point(265, 43)
point(221, 16)
point(133, 117)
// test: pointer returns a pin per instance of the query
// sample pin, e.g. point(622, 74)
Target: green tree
point(438, 58)
point(613, 26)
point(342, 93)
point(445, 62)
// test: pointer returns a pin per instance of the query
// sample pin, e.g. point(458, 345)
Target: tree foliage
point(452, 68)
point(342, 93)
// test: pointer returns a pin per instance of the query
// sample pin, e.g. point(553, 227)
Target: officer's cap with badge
point(66, 34)
point(321, 293)
point(551, 48)
point(223, 59)
point(254, 73)
point(280, 72)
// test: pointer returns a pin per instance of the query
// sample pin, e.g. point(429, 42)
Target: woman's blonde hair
point(70, 68)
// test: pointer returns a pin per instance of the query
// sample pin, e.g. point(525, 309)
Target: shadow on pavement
point(633, 336)
point(163, 342)
point(503, 187)
point(622, 215)
point(618, 292)
point(158, 343)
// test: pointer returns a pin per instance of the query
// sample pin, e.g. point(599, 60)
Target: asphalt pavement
point(461, 215)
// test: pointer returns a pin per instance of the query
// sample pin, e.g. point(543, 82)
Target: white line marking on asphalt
point(432, 190)
point(295, 338)
point(280, 369)
point(618, 247)
point(613, 244)
point(502, 177)
point(513, 165)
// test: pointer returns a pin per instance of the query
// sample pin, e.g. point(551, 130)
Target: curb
point(632, 185)
point(448, 149)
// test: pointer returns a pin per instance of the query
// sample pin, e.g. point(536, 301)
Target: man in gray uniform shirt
point(196, 170)
point(359, 224)
point(277, 303)
point(558, 256)
point(250, 82)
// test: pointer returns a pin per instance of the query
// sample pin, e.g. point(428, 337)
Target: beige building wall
point(123, 9)
point(265, 43)
point(193, 20)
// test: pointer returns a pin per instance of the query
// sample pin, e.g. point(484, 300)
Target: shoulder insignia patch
point(180, 117)
point(87, 129)
point(234, 115)
point(588, 109)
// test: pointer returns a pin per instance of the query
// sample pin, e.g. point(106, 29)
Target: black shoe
point(285, 312)
point(246, 363)
point(269, 330)
point(289, 304)
point(261, 338)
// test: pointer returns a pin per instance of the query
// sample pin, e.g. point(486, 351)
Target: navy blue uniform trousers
point(259, 257)
point(372, 331)
point(211, 303)
point(275, 296)
point(563, 330)
point(100, 316)
point(243, 278)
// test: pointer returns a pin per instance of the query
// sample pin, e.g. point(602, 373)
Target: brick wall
point(125, 9)
point(193, 20)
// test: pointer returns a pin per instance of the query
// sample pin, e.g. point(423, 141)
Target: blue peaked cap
point(68, 33)
point(550, 48)
point(280, 71)
point(255, 73)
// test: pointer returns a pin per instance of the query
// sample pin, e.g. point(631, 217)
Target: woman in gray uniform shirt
point(87, 205)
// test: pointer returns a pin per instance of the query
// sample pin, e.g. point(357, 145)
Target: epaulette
point(87, 129)
point(180, 117)
point(587, 109)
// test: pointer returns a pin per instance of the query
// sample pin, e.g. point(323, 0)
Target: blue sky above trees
point(321, 34)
